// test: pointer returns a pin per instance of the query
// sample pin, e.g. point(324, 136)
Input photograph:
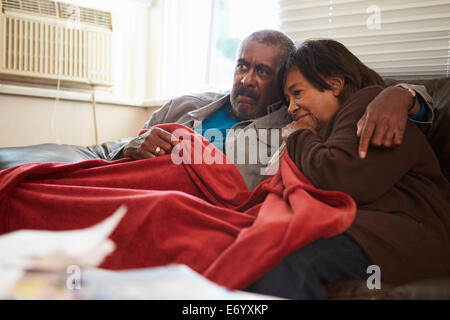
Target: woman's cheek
point(313, 121)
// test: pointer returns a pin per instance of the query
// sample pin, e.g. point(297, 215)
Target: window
point(397, 38)
point(198, 41)
point(233, 21)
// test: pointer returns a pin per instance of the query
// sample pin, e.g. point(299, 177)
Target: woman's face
point(307, 104)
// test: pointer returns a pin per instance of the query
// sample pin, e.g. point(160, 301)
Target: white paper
point(171, 282)
point(8, 279)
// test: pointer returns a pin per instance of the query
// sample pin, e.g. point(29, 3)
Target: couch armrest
point(50, 152)
point(103, 150)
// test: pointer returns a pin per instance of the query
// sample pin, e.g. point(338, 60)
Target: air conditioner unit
point(47, 40)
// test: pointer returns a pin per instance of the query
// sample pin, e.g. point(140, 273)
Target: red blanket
point(201, 215)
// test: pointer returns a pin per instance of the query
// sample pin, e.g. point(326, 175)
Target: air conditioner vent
point(42, 7)
point(85, 15)
point(61, 10)
point(47, 41)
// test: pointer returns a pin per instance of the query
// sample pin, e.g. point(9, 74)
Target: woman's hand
point(305, 123)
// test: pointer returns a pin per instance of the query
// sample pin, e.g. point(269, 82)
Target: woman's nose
point(293, 107)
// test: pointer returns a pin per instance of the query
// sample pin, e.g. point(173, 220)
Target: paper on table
point(27, 249)
point(171, 282)
point(9, 278)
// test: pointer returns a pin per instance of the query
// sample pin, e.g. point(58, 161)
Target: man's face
point(255, 84)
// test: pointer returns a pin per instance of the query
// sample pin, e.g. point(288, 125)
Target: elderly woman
point(403, 218)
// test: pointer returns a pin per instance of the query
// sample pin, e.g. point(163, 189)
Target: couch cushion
point(356, 290)
point(430, 289)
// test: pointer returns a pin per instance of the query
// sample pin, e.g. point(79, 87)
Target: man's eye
point(263, 73)
point(241, 67)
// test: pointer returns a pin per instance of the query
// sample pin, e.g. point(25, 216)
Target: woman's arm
point(333, 163)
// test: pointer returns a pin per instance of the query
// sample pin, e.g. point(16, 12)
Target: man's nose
point(249, 79)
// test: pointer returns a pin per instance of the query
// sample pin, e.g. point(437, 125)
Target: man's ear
point(337, 84)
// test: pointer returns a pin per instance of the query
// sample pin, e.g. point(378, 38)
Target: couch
point(437, 135)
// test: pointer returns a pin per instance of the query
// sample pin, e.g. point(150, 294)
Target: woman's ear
point(337, 84)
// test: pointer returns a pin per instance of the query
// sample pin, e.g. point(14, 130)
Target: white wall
point(30, 120)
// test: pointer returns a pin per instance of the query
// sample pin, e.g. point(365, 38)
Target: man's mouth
point(246, 99)
point(246, 96)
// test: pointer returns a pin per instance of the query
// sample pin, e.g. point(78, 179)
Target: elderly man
point(246, 123)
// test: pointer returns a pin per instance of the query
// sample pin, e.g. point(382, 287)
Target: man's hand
point(384, 122)
point(153, 143)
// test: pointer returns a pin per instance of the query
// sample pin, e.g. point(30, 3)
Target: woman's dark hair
point(323, 58)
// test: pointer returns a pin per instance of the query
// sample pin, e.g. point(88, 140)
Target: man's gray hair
point(271, 38)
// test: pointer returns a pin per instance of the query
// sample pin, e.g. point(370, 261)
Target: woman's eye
point(297, 93)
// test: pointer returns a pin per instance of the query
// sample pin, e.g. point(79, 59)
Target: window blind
point(397, 38)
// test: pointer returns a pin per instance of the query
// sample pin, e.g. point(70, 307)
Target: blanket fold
point(195, 213)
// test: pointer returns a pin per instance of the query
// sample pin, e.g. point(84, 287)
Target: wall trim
point(78, 96)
